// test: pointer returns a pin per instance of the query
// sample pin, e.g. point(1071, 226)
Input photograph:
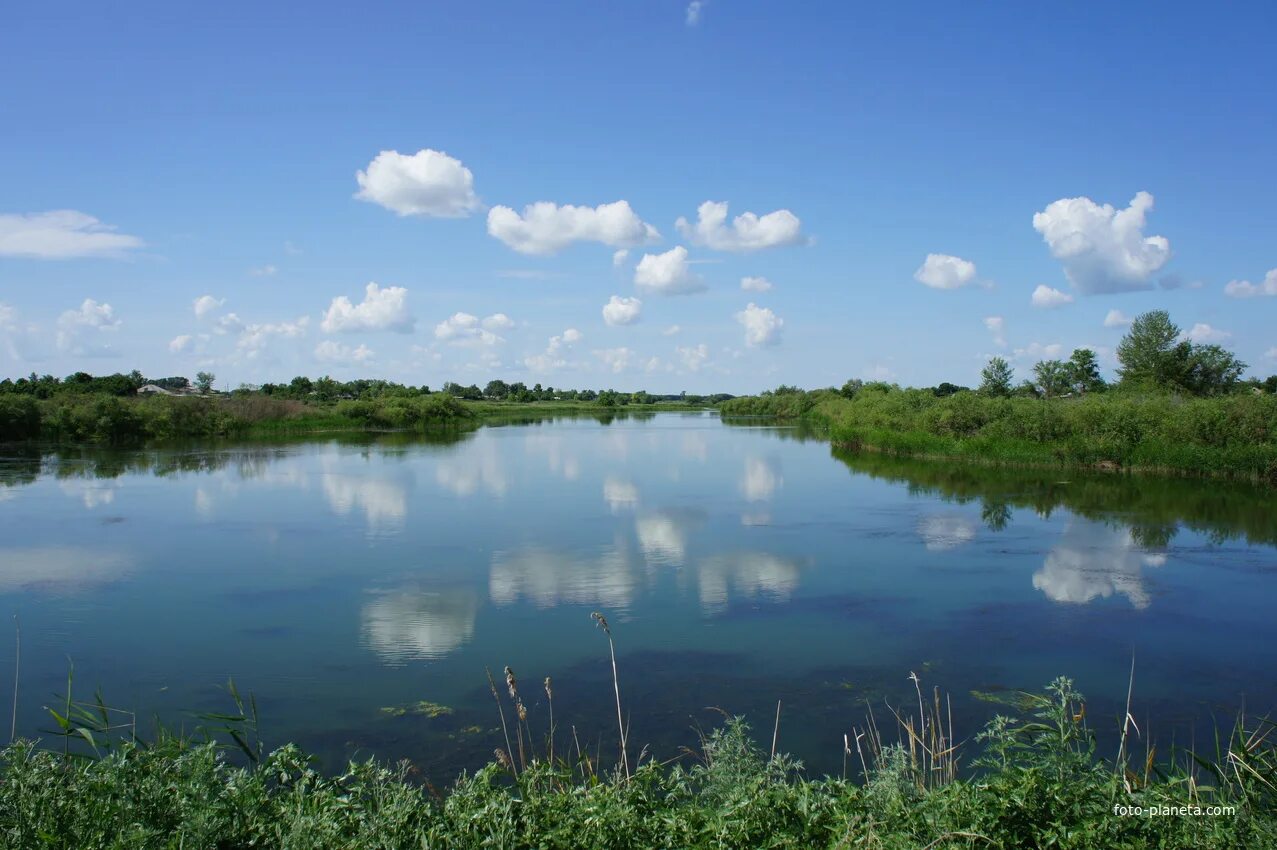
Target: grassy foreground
point(1039, 783)
point(1229, 436)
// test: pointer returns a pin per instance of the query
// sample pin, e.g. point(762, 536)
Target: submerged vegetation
point(1035, 780)
point(1178, 407)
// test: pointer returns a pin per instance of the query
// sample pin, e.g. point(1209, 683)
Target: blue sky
point(1068, 167)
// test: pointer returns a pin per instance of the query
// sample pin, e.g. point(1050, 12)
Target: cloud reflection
point(60, 568)
point(547, 578)
point(942, 532)
point(416, 624)
point(662, 535)
point(760, 479)
point(1093, 560)
point(745, 575)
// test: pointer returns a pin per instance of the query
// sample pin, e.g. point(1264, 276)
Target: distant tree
point(1027, 389)
point(946, 389)
point(1270, 384)
point(496, 389)
point(204, 381)
point(996, 378)
point(850, 388)
point(1211, 370)
point(1152, 353)
point(1084, 372)
point(1052, 378)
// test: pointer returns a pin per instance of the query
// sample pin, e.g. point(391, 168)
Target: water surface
point(336, 578)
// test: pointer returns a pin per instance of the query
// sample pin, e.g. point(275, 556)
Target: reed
point(601, 622)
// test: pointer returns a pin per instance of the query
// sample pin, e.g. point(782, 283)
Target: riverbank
point(1232, 436)
point(113, 420)
point(1038, 784)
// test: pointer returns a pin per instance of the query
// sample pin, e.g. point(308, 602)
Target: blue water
point(738, 566)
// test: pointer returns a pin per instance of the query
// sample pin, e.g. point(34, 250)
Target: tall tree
point(204, 381)
point(996, 378)
point(1084, 371)
point(1052, 377)
point(1152, 353)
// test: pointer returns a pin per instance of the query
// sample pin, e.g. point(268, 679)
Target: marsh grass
point(1036, 781)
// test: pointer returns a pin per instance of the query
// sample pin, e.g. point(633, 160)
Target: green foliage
point(1153, 354)
point(19, 418)
point(1038, 784)
point(996, 378)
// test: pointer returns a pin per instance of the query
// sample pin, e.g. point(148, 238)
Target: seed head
point(601, 622)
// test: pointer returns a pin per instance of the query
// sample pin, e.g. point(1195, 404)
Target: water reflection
point(1092, 561)
point(60, 569)
point(620, 495)
point(547, 578)
point(761, 478)
point(744, 575)
point(662, 535)
point(942, 532)
point(412, 623)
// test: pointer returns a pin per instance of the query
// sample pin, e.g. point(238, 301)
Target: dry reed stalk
point(520, 713)
point(776, 729)
point(497, 697)
point(549, 695)
point(601, 622)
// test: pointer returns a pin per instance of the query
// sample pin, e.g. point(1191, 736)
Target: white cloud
point(672, 330)
point(694, 10)
point(8, 317)
point(1103, 249)
point(263, 271)
point(180, 343)
point(620, 256)
point(465, 329)
point(622, 311)
point(1271, 353)
point(498, 322)
point(381, 310)
point(427, 183)
point(61, 235)
point(1204, 333)
point(75, 327)
point(1049, 297)
point(755, 284)
point(228, 324)
point(944, 271)
point(255, 336)
point(1038, 351)
point(616, 359)
point(552, 358)
point(546, 227)
point(748, 232)
point(206, 304)
point(329, 351)
point(996, 325)
point(693, 357)
point(667, 274)
point(1117, 319)
point(762, 326)
point(572, 335)
point(1246, 289)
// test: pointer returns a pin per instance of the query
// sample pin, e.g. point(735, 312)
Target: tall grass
point(1234, 435)
point(1036, 781)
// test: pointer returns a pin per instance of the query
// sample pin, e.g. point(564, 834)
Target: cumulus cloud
point(381, 310)
point(552, 357)
point(1049, 297)
point(945, 271)
point(1038, 351)
point(61, 235)
point(622, 311)
point(180, 343)
point(228, 324)
point(498, 322)
point(620, 256)
point(464, 328)
point(206, 304)
point(329, 351)
point(762, 326)
point(672, 330)
point(747, 232)
point(693, 357)
point(77, 327)
point(755, 284)
point(254, 337)
point(428, 183)
point(667, 274)
point(1246, 289)
point(1103, 249)
point(996, 325)
point(546, 227)
point(616, 359)
point(694, 10)
point(1117, 319)
point(1204, 333)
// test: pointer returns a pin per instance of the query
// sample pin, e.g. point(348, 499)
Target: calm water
point(738, 565)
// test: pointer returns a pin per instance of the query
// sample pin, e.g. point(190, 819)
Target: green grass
point(1228, 436)
point(1037, 783)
